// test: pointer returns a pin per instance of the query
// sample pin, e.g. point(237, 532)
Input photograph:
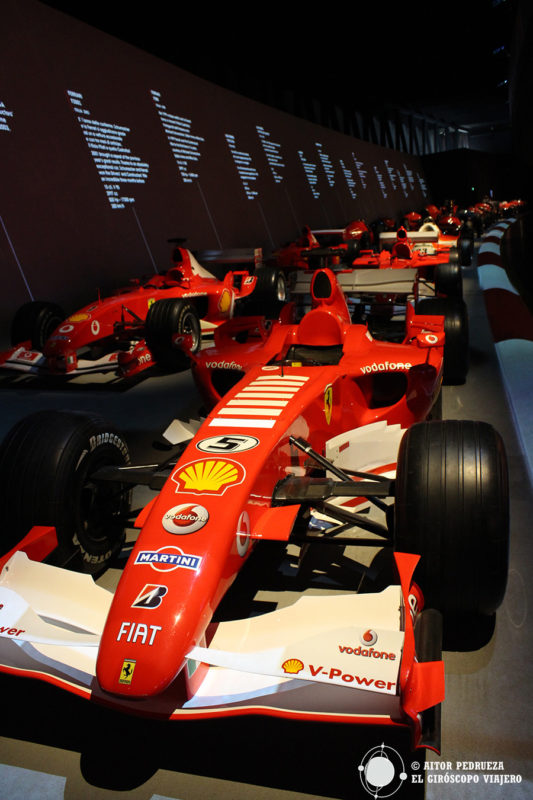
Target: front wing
point(344, 658)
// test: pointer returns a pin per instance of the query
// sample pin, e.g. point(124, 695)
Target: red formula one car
point(301, 450)
point(135, 327)
point(410, 266)
point(343, 247)
point(429, 238)
point(348, 241)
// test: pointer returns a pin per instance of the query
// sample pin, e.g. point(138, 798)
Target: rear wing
point(242, 257)
point(387, 239)
point(365, 281)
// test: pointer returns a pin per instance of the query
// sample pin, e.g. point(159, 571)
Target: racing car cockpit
point(401, 247)
point(321, 333)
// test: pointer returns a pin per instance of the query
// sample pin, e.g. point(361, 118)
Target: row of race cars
point(146, 322)
point(322, 434)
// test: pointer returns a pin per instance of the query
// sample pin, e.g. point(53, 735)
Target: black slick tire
point(269, 295)
point(36, 321)
point(452, 509)
point(449, 280)
point(165, 319)
point(46, 465)
point(456, 355)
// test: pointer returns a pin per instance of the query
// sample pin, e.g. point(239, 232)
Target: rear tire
point(449, 280)
point(269, 295)
point(466, 250)
point(46, 464)
point(165, 319)
point(456, 356)
point(36, 321)
point(452, 508)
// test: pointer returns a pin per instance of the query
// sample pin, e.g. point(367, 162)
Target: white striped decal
point(242, 423)
point(255, 402)
point(265, 393)
point(266, 396)
point(254, 412)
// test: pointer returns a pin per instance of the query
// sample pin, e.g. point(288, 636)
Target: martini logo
point(229, 443)
point(209, 476)
point(292, 666)
point(369, 637)
point(224, 304)
point(126, 673)
point(167, 559)
point(328, 402)
point(185, 518)
point(150, 597)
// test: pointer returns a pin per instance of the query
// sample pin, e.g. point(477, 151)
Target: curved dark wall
point(469, 175)
point(108, 151)
point(521, 82)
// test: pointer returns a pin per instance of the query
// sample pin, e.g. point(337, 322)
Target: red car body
point(109, 334)
point(154, 649)
point(353, 237)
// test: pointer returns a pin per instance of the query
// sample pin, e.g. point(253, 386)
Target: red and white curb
point(511, 323)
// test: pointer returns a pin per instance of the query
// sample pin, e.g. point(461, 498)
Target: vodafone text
point(369, 652)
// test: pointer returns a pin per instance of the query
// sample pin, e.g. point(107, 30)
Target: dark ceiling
point(448, 60)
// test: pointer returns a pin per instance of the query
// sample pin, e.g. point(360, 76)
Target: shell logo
point(292, 666)
point(78, 318)
point(328, 402)
point(369, 637)
point(208, 476)
point(224, 304)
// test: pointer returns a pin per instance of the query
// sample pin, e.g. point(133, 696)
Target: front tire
point(165, 320)
point(47, 461)
point(36, 321)
point(452, 508)
point(456, 355)
point(466, 250)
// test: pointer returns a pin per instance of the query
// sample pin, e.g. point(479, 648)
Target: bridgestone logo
point(109, 438)
point(385, 366)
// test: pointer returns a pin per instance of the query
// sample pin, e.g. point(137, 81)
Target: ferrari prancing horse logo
point(126, 673)
point(328, 402)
